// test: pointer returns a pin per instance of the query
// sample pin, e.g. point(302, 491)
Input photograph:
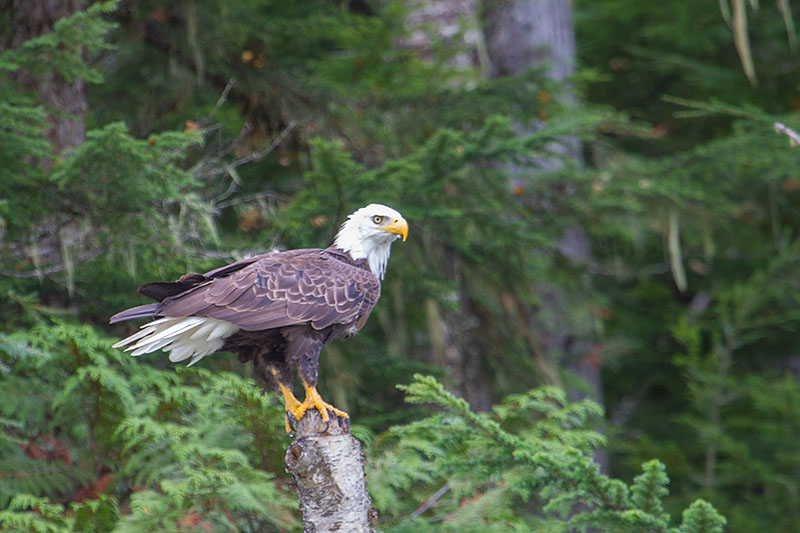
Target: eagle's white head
point(368, 234)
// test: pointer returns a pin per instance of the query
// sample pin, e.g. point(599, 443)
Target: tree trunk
point(65, 101)
point(432, 21)
point(455, 346)
point(454, 335)
point(328, 472)
point(525, 34)
point(517, 35)
point(66, 105)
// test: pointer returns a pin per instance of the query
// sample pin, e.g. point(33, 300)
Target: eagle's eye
point(377, 219)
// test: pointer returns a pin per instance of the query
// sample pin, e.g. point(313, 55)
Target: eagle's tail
point(183, 337)
point(140, 311)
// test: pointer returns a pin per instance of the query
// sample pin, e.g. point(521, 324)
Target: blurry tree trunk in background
point(455, 335)
point(517, 35)
point(451, 19)
point(525, 34)
point(65, 100)
point(66, 105)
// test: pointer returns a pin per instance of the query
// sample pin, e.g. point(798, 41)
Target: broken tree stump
point(328, 472)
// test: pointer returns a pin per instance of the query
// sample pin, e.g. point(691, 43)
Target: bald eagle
point(276, 309)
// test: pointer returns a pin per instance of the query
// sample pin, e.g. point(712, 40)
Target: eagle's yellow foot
point(289, 419)
point(314, 401)
point(290, 404)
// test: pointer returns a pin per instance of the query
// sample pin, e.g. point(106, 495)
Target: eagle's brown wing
point(282, 289)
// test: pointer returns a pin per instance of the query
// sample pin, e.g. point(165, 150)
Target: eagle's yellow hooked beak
point(398, 226)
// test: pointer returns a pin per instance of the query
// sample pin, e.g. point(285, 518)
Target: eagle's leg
point(303, 346)
point(313, 400)
point(290, 403)
point(271, 368)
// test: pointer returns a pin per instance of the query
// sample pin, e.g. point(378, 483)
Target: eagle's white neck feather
point(374, 248)
point(361, 240)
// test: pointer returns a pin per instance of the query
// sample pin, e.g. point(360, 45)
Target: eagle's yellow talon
point(314, 401)
point(337, 412)
point(289, 422)
point(290, 403)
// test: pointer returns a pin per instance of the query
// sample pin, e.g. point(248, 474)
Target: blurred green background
point(613, 216)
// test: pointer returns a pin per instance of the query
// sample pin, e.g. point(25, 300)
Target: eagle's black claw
point(327, 425)
point(292, 420)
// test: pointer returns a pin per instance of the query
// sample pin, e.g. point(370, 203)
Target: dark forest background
point(602, 259)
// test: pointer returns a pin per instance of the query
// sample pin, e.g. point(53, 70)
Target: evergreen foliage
point(219, 129)
point(533, 451)
point(191, 449)
point(62, 53)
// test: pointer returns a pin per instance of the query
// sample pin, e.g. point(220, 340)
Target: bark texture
point(522, 34)
point(328, 472)
point(525, 34)
point(456, 345)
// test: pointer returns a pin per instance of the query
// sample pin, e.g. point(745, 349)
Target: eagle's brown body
point(277, 309)
point(285, 304)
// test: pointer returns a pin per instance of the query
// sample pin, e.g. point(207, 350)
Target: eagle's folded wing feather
point(281, 290)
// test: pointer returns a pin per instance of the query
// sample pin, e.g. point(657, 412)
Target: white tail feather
point(139, 349)
point(180, 352)
point(195, 359)
point(154, 322)
point(183, 337)
point(135, 336)
point(220, 332)
point(203, 331)
point(175, 329)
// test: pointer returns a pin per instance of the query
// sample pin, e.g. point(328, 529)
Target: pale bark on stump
point(328, 473)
